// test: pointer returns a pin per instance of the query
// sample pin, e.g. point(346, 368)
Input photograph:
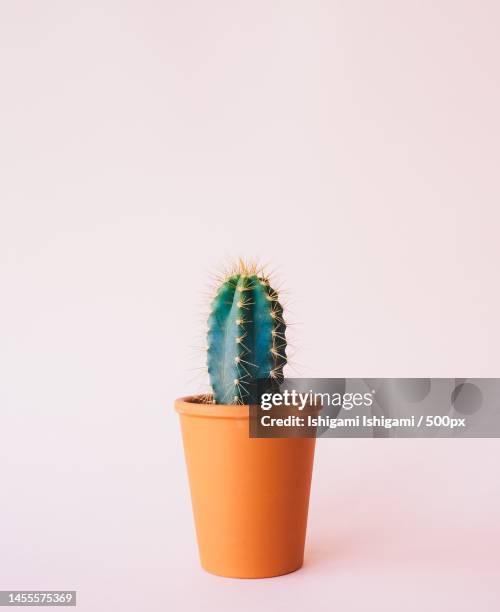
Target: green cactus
point(246, 336)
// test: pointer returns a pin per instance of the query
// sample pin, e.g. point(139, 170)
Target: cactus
point(246, 336)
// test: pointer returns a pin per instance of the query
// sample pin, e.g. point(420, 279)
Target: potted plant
point(250, 496)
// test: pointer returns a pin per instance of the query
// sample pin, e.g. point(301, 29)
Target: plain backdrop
point(143, 144)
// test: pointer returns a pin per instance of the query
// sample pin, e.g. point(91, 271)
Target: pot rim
point(192, 405)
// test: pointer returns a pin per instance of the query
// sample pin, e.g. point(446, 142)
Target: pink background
point(353, 144)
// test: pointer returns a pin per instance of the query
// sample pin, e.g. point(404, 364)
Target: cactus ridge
point(246, 338)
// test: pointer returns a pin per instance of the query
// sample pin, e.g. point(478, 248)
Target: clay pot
point(250, 496)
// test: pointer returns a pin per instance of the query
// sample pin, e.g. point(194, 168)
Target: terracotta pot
point(250, 496)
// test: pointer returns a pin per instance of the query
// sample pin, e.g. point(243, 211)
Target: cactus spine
point(246, 336)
